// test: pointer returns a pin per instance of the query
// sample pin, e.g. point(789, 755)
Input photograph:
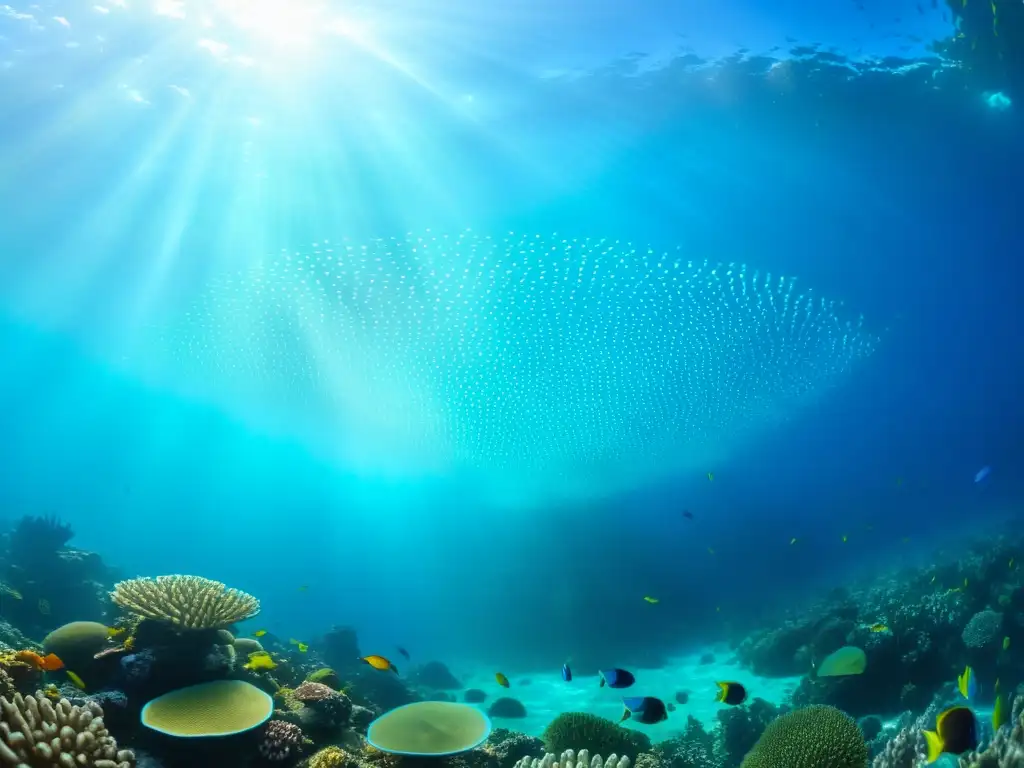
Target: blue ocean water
point(397, 445)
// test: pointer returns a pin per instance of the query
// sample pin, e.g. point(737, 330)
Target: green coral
point(580, 730)
point(812, 737)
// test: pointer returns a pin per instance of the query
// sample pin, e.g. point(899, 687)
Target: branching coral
point(904, 750)
point(1006, 749)
point(38, 733)
point(186, 602)
point(570, 759)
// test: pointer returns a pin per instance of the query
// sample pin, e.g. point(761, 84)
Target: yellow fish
point(115, 631)
point(259, 633)
point(792, 541)
point(302, 647)
point(878, 628)
point(502, 680)
point(998, 714)
point(844, 538)
point(711, 476)
point(380, 663)
point(651, 600)
point(44, 607)
point(1006, 643)
point(75, 680)
point(259, 660)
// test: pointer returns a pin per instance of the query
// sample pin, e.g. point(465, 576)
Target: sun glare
point(278, 22)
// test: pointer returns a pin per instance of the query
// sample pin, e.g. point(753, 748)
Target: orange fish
point(379, 662)
point(49, 663)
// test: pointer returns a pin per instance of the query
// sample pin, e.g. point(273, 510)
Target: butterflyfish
point(733, 694)
point(956, 732)
point(616, 678)
point(502, 680)
point(644, 709)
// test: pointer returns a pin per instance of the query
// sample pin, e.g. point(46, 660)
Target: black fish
point(616, 678)
point(956, 732)
point(644, 709)
point(731, 693)
point(402, 651)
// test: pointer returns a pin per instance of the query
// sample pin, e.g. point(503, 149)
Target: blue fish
point(616, 678)
point(982, 473)
point(644, 709)
point(566, 673)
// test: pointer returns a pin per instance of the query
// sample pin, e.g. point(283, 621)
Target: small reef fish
point(1010, 566)
point(711, 476)
point(688, 514)
point(75, 680)
point(380, 663)
point(845, 538)
point(616, 678)
point(733, 694)
point(116, 631)
point(999, 716)
point(405, 653)
point(48, 663)
point(259, 633)
point(879, 628)
point(259, 660)
point(644, 709)
point(792, 541)
point(651, 600)
point(566, 673)
point(304, 588)
point(44, 607)
point(1006, 643)
point(302, 647)
point(502, 680)
point(967, 684)
point(982, 473)
point(956, 732)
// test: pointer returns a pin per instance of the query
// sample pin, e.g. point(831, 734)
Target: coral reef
point(38, 732)
point(507, 707)
point(474, 696)
point(509, 747)
point(810, 738)
point(186, 602)
point(435, 675)
point(983, 630)
point(570, 759)
point(281, 741)
point(581, 730)
point(739, 728)
point(694, 748)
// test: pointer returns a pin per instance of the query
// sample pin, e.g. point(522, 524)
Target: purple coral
point(281, 741)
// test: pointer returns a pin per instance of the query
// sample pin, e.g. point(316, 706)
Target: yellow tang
point(998, 714)
point(380, 663)
point(502, 680)
point(299, 644)
point(75, 680)
point(878, 628)
point(651, 600)
point(259, 633)
point(259, 660)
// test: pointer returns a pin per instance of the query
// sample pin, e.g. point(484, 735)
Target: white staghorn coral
point(570, 759)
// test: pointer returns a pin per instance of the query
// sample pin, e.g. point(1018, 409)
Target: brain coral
point(983, 629)
point(39, 733)
point(76, 643)
point(186, 602)
point(812, 737)
point(580, 730)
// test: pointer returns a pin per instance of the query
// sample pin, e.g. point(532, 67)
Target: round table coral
point(220, 708)
point(429, 729)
